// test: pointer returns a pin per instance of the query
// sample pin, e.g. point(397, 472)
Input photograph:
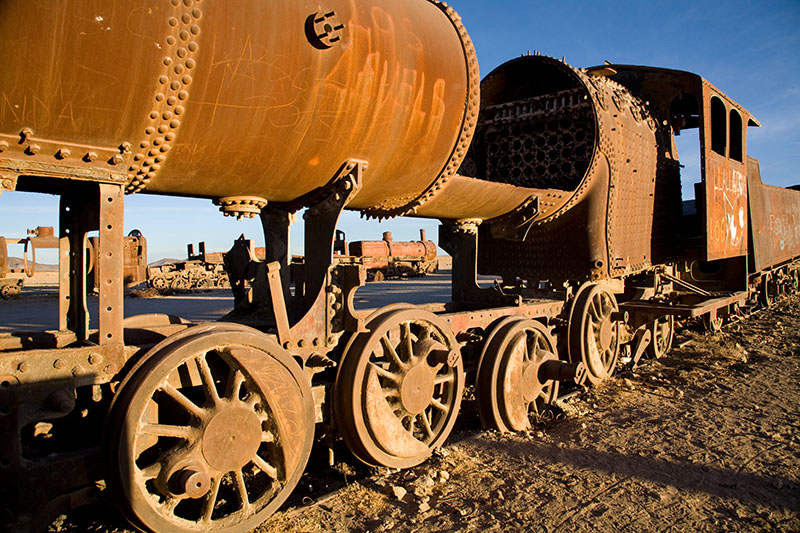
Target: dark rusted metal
point(587, 149)
point(774, 222)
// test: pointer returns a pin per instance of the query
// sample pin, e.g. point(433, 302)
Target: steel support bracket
point(460, 239)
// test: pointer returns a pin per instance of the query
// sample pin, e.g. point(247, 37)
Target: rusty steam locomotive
point(562, 182)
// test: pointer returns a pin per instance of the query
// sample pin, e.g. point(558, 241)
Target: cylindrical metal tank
point(388, 247)
point(264, 99)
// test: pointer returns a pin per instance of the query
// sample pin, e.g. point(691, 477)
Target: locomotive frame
point(211, 425)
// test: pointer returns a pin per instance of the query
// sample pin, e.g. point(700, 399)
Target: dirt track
point(703, 440)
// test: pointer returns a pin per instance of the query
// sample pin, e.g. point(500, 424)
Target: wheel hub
point(231, 439)
point(416, 390)
point(531, 386)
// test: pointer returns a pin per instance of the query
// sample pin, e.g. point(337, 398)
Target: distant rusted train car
point(387, 258)
point(569, 194)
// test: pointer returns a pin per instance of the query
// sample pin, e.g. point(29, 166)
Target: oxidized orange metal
point(774, 221)
point(725, 181)
point(208, 101)
point(588, 150)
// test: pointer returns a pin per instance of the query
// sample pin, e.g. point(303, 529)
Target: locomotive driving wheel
point(594, 333)
point(399, 386)
point(662, 330)
point(210, 432)
point(508, 384)
point(180, 284)
point(159, 283)
point(767, 290)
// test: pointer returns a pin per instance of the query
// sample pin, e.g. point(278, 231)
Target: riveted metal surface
point(682, 100)
point(194, 98)
point(774, 221)
point(589, 149)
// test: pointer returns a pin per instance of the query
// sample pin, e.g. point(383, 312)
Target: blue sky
point(750, 50)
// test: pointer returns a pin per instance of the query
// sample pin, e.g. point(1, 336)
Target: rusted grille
point(544, 142)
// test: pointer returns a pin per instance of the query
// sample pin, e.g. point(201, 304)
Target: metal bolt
point(94, 358)
point(33, 149)
point(63, 153)
point(58, 364)
point(3, 146)
point(26, 133)
point(22, 367)
point(301, 343)
point(90, 156)
point(117, 159)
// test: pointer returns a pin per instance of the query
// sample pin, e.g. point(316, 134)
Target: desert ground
point(705, 439)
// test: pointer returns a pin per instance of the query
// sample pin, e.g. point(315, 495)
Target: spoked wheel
point(662, 331)
point(398, 390)
point(180, 284)
point(223, 281)
point(766, 290)
point(10, 291)
point(594, 333)
point(159, 283)
point(203, 283)
point(508, 384)
point(209, 432)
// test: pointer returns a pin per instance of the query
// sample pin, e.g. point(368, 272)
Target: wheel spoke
point(389, 350)
point(152, 471)
point(166, 430)
point(391, 394)
point(182, 400)
point(411, 425)
point(170, 504)
point(406, 341)
point(235, 384)
point(426, 425)
point(448, 378)
point(439, 405)
point(265, 467)
point(242, 488)
point(211, 500)
point(209, 387)
point(385, 373)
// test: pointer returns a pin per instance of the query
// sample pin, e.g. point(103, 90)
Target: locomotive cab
point(683, 100)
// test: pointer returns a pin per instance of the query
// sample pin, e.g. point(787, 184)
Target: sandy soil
point(705, 439)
